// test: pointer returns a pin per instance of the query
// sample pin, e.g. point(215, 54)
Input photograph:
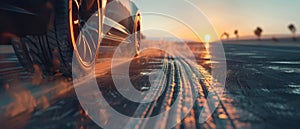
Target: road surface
point(262, 91)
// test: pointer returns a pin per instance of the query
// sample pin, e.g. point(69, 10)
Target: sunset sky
point(273, 16)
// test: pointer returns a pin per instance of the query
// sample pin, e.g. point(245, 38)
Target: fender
point(24, 17)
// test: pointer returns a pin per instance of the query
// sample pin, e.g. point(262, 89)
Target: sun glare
point(207, 38)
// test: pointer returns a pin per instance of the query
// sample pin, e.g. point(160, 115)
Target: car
point(48, 32)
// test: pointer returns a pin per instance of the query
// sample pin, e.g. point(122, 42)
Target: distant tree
point(225, 34)
point(258, 31)
point(293, 29)
point(236, 32)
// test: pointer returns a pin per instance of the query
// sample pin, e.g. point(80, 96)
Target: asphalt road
point(264, 81)
point(262, 91)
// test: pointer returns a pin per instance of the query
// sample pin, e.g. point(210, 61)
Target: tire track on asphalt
point(145, 110)
point(220, 115)
point(184, 82)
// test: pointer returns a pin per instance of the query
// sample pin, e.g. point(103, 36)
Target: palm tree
point(225, 34)
point(236, 32)
point(293, 29)
point(258, 32)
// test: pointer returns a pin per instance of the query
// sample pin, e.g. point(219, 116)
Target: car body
point(47, 25)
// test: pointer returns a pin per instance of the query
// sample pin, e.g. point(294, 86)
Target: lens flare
point(207, 38)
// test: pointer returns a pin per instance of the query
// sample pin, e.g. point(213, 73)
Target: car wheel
point(85, 29)
point(54, 50)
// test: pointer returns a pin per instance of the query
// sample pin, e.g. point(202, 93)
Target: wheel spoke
point(90, 27)
point(93, 41)
point(84, 47)
point(87, 48)
point(79, 39)
point(87, 26)
point(90, 50)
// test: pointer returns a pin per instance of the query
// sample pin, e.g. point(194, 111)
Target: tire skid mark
point(189, 121)
point(145, 110)
point(182, 78)
point(220, 115)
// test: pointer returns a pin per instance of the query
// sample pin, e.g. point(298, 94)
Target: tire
point(37, 50)
point(52, 51)
point(41, 50)
point(63, 43)
point(22, 54)
point(133, 48)
point(67, 39)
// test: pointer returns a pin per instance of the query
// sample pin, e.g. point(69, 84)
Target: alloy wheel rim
point(85, 31)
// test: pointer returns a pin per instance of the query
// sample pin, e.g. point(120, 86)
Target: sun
point(207, 38)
